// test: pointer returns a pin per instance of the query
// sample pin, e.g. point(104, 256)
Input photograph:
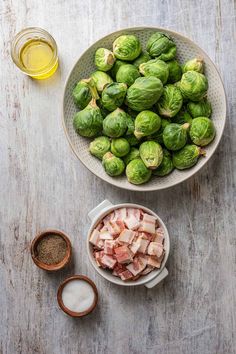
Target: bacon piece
point(147, 270)
point(148, 224)
point(159, 231)
point(159, 238)
point(126, 275)
point(143, 244)
point(99, 226)
point(105, 235)
point(123, 254)
point(147, 236)
point(119, 214)
point(132, 223)
point(95, 237)
point(126, 236)
point(109, 246)
point(98, 256)
point(154, 262)
point(155, 249)
point(108, 261)
point(108, 217)
point(134, 212)
point(134, 246)
point(137, 266)
point(119, 268)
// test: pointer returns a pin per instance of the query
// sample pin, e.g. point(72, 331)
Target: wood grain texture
point(43, 185)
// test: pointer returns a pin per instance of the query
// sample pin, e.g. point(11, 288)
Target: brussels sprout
point(113, 95)
point(127, 47)
point(127, 74)
point(146, 123)
point(143, 58)
point(130, 125)
point(166, 165)
point(83, 92)
point(202, 131)
point(151, 153)
point(113, 165)
point(132, 140)
point(115, 124)
point(88, 122)
point(100, 146)
point(144, 92)
point(101, 79)
point(137, 172)
point(182, 117)
point(160, 45)
point(158, 136)
point(187, 157)
point(103, 110)
point(120, 147)
point(175, 136)
point(195, 64)
point(104, 59)
point(133, 154)
point(157, 68)
point(175, 71)
point(200, 109)
point(116, 67)
point(170, 102)
point(133, 114)
point(193, 85)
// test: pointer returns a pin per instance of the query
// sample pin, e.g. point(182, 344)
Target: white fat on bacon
point(155, 249)
point(126, 236)
point(132, 223)
point(148, 224)
point(126, 275)
point(123, 254)
point(120, 214)
point(95, 237)
point(108, 261)
point(143, 244)
point(109, 246)
point(105, 235)
point(137, 266)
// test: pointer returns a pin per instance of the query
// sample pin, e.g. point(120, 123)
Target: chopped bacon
point(98, 257)
point(123, 254)
point(108, 217)
point(95, 237)
point(120, 214)
point(137, 266)
point(147, 270)
point(119, 268)
point(126, 236)
point(159, 231)
point(108, 261)
point(147, 236)
point(126, 275)
point(159, 238)
point(143, 244)
point(154, 262)
point(109, 246)
point(132, 223)
point(155, 249)
point(134, 246)
point(99, 226)
point(134, 212)
point(148, 224)
point(105, 235)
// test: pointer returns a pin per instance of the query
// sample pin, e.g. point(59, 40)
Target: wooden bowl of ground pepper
point(51, 250)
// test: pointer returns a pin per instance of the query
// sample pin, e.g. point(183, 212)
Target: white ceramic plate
point(186, 49)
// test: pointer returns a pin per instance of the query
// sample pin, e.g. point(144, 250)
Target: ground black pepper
point(51, 249)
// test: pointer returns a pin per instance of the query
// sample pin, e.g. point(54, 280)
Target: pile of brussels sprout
point(147, 113)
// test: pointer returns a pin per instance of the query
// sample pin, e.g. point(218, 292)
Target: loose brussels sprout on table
point(175, 136)
point(115, 124)
point(113, 95)
point(101, 79)
point(83, 92)
point(195, 64)
point(146, 123)
point(166, 165)
point(113, 165)
point(137, 172)
point(157, 68)
point(133, 154)
point(200, 109)
point(127, 47)
point(104, 59)
point(187, 157)
point(151, 153)
point(120, 147)
point(160, 45)
point(143, 58)
point(170, 102)
point(175, 71)
point(144, 93)
point(88, 122)
point(193, 85)
point(202, 131)
point(127, 74)
point(100, 146)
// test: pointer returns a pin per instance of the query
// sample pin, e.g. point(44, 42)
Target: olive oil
point(36, 56)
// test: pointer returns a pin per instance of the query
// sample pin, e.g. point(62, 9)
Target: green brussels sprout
point(175, 136)
point(146, 123)
point(137, 172)
point(104, 59)
point(151, 153)
point(132, 140)
point(158, 136)
point(182, 117)
point(166, 165)
point(83, 92)
point(103, 110)
point(115, 124)
point(170, 102)
point(101, 79)
point(195, 64)
point(144, 93)
point(100, 146)
point(200, 109)
point(175, 71)
point(116, 67)
point(130, 124)
point(127, 74)
point(160, 45)
point(133, 154)
point(120, 147)
point(88, 122)
point(193, 85)
point(187, 157)
point(113, 95)
point(157, 68)
point(127, 47)
point(113, 165)
point(133, 114)
point(202, 131)
point(143, 58)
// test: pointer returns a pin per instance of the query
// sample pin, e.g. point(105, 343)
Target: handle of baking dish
point(158, 279)
point(98, 209)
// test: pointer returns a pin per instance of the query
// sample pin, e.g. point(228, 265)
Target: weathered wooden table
point(43, 185)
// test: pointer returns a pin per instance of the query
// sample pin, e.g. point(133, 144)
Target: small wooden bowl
point(50, 267)
point(64, 308)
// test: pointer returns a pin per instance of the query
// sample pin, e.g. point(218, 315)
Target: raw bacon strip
point(143, 244)
point(147, 270)
point(126, 275)
point(108, 261)
point(155, 249)
point(105, 235)
point(123, 254)
point(137, 266)
point(95, 237)
point(132, 223)
point(148, 224)
point(109, 247)
point(126, 236)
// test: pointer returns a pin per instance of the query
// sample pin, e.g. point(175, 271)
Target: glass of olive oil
point(34, 51)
